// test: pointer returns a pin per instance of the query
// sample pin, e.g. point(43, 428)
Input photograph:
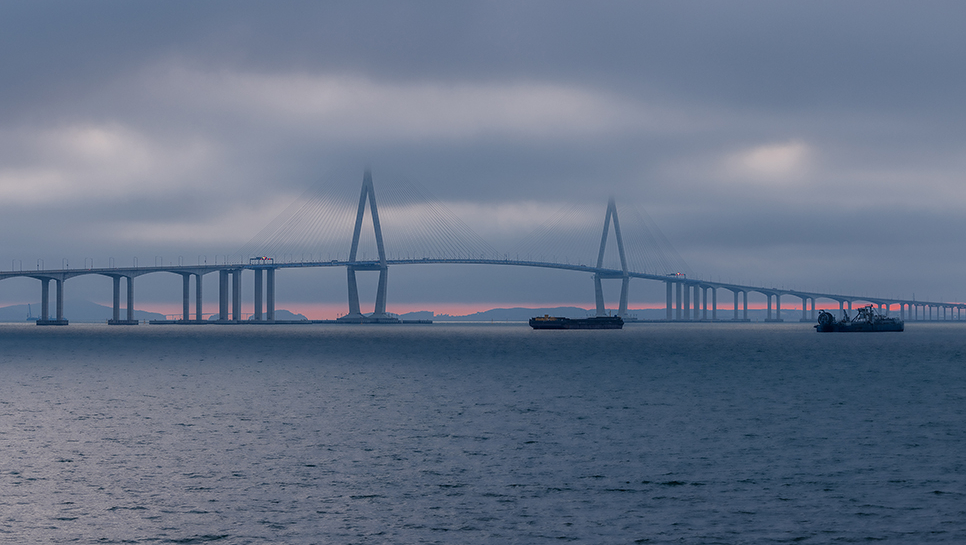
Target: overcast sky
point(812, 145)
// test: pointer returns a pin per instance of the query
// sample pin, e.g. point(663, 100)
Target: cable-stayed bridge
point(424, 232)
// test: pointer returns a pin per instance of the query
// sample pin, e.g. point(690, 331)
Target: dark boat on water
point(867, 319)
point(596, 322)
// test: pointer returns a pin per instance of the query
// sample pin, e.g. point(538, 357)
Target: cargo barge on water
point(596, 322)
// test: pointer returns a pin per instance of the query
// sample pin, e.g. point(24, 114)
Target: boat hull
point(860, 327)
point(597, 322)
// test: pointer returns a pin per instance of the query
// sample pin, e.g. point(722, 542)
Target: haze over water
point(659, 433)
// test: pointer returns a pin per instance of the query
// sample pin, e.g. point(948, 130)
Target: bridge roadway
point(686, 300)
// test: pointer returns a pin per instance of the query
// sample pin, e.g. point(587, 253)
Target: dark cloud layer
point(767, 139)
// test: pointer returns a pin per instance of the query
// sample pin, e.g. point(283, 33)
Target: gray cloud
point(766, 139)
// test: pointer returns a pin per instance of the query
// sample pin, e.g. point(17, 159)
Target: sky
point(809, 145)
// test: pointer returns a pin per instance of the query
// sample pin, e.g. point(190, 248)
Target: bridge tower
point(355, 313)
point(624, 276)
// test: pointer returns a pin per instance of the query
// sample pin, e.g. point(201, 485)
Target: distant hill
point(88, 312)
point(280, 314)
point(74, 311)
point(519, 314)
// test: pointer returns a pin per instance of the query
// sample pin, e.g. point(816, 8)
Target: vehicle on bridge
point(867, 319)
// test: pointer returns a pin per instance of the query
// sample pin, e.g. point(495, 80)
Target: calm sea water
point(660, 433)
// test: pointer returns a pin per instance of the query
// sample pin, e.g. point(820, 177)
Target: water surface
point(659, 433)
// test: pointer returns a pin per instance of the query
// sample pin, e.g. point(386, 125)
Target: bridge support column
point(841, 309)
point(678, 290)
point(270, 294)
point(130, 299)
point(670, 290)
point(198, 300)
point(714, 304)
point(380, 310)
point(44, 299)
point(258, 295)
point(117, 299)
point(236, 295)
point(186, 297)
point(804, 309)
point(744, 295)
point(116, 307)
point(60, 299)
point(704, 303)
point(625, 289)
point(768, 315)
point(599, 296)
point(222, 295)
point(736, 305)
point(687, 302)
point(697, 303)
point(354, 310)
point(778, 307)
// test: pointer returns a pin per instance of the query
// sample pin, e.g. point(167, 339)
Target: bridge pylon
point(610, 216)
point(368, 194)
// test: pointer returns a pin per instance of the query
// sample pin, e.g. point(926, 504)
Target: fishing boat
point(866, 319)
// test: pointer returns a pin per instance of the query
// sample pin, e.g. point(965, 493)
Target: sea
point(725, 433)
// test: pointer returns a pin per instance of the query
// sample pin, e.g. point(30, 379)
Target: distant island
point(89, 312)
point(521, 314)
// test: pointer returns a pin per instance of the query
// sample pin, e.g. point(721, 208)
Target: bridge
point(687, 299)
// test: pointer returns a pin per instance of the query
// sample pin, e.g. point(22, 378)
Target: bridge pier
point(678, 286)
point(669, 298)
point(236, 295)
point(355, 312)
point(130, 299)
point(265, 292)
point(45, 302)
point(223, 295)
point(199, 316)
point(735, 292)
point(44, 299)
point(116, 307)
point(258, 295)
point(714, 304)
point(687, 302)
point(625, 289)
point(186, 297)
point(698, 302)
point(270, 294)
point(704, 302)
